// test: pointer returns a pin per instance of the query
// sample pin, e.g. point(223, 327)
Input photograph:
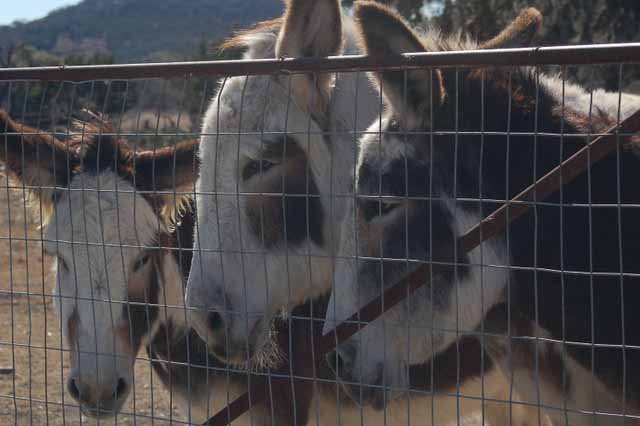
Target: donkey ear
point(311, 28)
point(384, 32)
point(37, 159)
point(168, 176)
point(521, 32)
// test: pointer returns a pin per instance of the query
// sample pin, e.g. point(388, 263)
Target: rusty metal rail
point(495, 223)
point(555, 55)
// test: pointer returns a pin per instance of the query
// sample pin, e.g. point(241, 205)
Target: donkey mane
point(258, 41)
point(519, 83)
point(144, 169)
point(435, 40)
point(522, 84)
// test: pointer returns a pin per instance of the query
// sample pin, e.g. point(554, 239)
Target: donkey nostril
point(336, 363)
point(214, 320)
point(72, 387)
point(341, 360)
point(120, 389)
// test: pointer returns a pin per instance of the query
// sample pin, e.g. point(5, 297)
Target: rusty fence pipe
point(552, 55)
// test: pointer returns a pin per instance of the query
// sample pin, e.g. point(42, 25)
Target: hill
point(134, 30)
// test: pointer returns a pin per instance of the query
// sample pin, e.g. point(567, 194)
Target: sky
point(29, 9)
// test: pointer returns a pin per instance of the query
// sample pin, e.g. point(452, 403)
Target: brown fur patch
point(372, 235)
point(166, 175)
point(521, 32)
point(172, 171)
point(124, 337)
point(138, 282)
point(140, 313)
point(501, 82)
point(521, 350)
point(73, 325)
point(37, 159)
point(369, 235)
point(296, 215)
point(599, 121)
point(241, 39)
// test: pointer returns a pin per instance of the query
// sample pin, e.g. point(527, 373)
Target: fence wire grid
point(182, 236)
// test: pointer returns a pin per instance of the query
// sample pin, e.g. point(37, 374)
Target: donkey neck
point(524, 119)
point(172, 271)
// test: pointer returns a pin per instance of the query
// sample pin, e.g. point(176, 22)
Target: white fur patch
point(581, 100)
point(482, 289)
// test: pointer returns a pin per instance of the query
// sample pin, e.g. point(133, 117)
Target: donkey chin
point(253, 349)
point(102, 405)
point(102, 411)
point(376, 388)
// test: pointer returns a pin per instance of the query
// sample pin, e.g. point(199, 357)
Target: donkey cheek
point(372, 237)
point(72, 335)
point(128, 343)
point(263, 215)
point(302, 219)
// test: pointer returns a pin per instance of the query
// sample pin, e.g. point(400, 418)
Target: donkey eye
point(254, 167)
point(63, 264)
point(378, 208)
point(394, 126)
point(141, 262)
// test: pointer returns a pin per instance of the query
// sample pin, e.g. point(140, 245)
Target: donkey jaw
point(232, 350)
point(103, 411)
point(376, 393)
point(104, 406)
point(236, 353)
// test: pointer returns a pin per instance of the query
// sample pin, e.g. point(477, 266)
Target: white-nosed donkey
point(278, 157)
point(453, 143)
point(120, 225)
point(258, 252)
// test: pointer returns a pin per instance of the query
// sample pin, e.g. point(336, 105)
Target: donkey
point(120, 225)
point(278, 154)
point(440, 159)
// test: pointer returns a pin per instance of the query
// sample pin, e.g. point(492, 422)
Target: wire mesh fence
point(182, 240)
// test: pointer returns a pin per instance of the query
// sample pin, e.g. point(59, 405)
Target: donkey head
point(262, 238)
point(107, 208)
point(405, 214)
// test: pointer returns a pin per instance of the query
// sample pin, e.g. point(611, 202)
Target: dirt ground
point(32, 361)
